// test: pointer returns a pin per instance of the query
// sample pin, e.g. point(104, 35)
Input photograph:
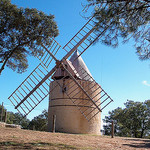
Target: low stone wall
point(2, 124)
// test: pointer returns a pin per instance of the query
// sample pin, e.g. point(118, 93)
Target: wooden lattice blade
point(48, 53)
point(32, 91)
point(86, 36)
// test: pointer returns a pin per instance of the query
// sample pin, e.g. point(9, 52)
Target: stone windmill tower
point(75, 97)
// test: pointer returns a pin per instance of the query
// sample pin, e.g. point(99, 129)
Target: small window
point(64, 89)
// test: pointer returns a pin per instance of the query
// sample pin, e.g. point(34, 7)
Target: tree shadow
point(143, 143)
point(38, 145)
point(14, 145)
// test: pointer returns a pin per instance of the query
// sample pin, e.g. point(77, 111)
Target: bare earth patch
point(27, 139)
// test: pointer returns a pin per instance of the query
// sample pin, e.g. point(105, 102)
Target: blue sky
point(118, 71)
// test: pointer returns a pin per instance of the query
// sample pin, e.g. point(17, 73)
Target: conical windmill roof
point(76, 67)
point(78, 64)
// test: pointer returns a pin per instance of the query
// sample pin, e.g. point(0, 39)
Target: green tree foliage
point(124, 19)
point(15, 118)
point(2, 114)
point(132, 121)
point(22, 31)
point(39, 122)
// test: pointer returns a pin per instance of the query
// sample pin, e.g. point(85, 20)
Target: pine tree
point(22, 31)
point(123, 19)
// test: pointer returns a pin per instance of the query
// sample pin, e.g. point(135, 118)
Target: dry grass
point(26, 139)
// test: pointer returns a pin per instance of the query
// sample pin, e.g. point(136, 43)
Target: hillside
point(26, 139)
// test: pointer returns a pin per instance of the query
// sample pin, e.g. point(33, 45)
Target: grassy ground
point(26, 139)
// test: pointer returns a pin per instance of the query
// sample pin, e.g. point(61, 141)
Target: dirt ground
point(27, 139)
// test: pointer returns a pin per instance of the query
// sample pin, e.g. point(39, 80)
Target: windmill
point(73, 87)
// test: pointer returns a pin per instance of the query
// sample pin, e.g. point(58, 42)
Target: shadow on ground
point(143, 143)
point(39, 145)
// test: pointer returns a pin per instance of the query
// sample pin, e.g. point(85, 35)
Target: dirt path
point(27, 139)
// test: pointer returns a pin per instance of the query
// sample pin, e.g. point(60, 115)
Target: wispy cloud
point(145, 83)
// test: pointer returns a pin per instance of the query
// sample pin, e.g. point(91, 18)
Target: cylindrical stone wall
point(68, 118)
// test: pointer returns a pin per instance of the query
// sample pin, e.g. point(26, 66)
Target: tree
point(22, 31)
point(138, 117)
point(39, 122)
point(132, 121)
point(124, 19)
point(2, 113)
point(17, 118)
point(118, 117)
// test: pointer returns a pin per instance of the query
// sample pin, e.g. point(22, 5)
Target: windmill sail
point(36, 87)
point(86, 36)
point(21, 99)
point(46, 56)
